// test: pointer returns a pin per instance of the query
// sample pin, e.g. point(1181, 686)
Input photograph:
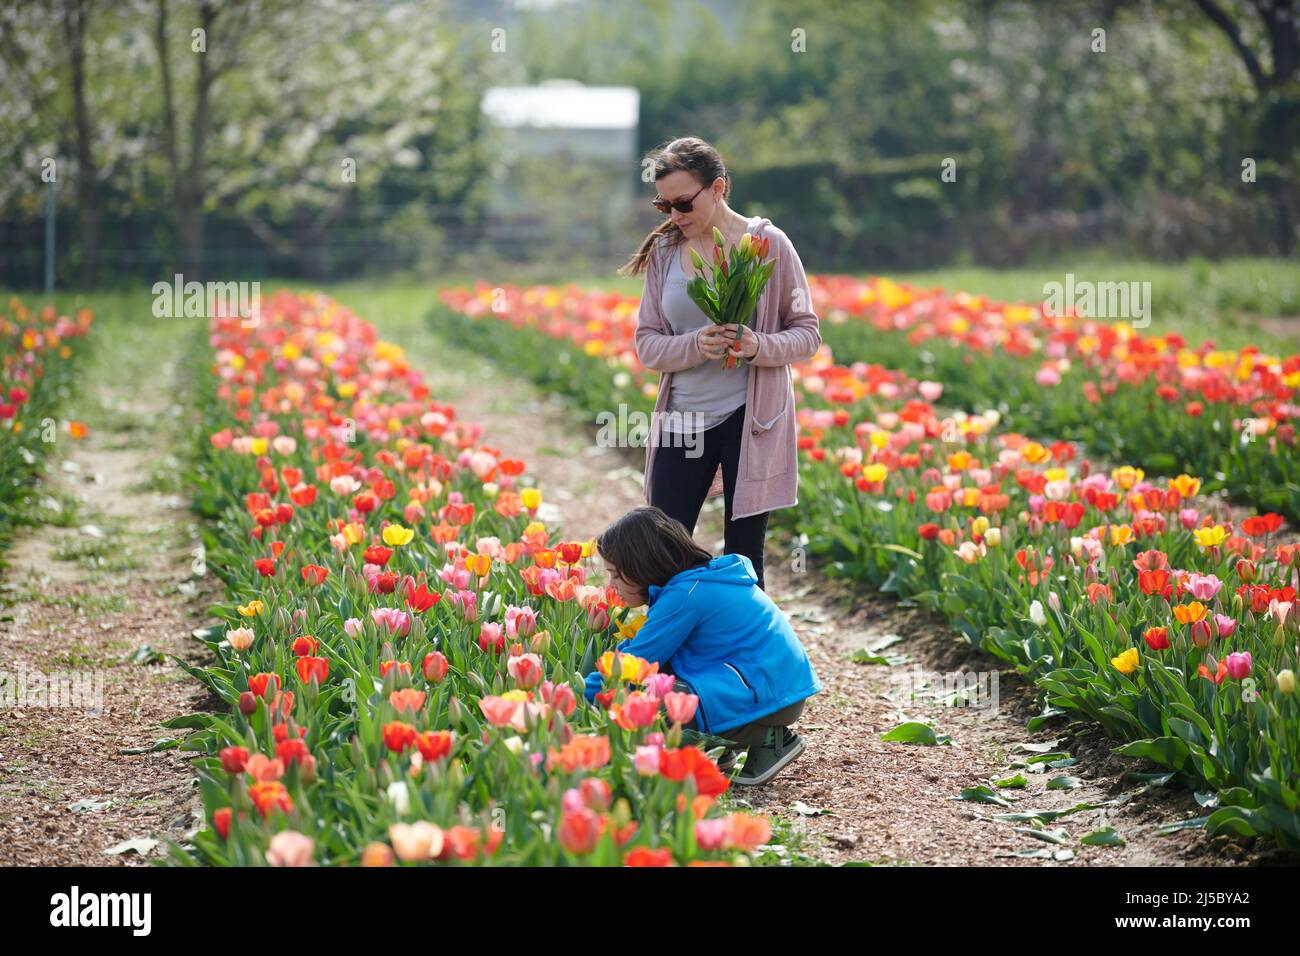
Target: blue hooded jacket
point(715, 629)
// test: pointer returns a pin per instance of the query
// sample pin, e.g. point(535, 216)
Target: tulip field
point(394, 655)
point(38, 350)
point(1135, 599)
point(1155, 401)
point(403, 641)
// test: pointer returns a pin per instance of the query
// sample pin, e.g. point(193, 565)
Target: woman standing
point(735, 426)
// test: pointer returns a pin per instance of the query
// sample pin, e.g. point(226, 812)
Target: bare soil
point(110, 579)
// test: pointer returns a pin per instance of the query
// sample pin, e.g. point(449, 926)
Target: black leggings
point(679, 485)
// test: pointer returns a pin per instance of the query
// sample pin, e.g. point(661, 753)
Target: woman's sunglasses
point(681, 205)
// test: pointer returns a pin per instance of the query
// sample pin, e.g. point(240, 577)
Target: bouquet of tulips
point(729, 295)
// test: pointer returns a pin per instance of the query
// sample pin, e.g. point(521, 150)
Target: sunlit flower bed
point(37, 355)
point(1154, 400)
point(403, 639)
point(1129, 599)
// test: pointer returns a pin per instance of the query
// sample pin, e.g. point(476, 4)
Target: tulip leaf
point(163, 743)
point(1167, 751)
point(863, 656)
point(1064, 783)
point(141, 845)
point(915, 732)
point(82, 806)
point(1059, 835)
point(982, 794)
point(1103, 836)
point(1034, 748)
point(1195, 823)
point(1048, 758)
point(1019, 780)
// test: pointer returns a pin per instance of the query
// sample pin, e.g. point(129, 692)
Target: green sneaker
point(764, 762)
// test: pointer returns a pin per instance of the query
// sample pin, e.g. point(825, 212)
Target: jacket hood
point(724, 569)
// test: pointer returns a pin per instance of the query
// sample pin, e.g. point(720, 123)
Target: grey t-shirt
point(708, 390)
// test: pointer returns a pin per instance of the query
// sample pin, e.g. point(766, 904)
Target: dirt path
point(101, 592)
point(852, 796)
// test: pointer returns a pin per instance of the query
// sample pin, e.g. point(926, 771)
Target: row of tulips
point(403, 642)
point(1154, 400)
point(37, 358)
point(1135, 602)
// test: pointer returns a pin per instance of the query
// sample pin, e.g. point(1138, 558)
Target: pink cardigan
point(768, 476)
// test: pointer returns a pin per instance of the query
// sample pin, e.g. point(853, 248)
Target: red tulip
point(314, 574)
point(258, 683)
point(435, 667)
point(434, 744)
point(233, 759)
point(221, 822)
point(579, 831)
point(313, 667)
point(398, 736)
point(1157, 638)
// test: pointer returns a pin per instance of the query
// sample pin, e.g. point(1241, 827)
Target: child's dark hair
point(648, 547)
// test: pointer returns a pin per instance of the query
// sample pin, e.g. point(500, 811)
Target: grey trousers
point(755, 732)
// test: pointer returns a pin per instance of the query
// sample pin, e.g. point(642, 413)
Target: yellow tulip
point(1127, 662)
point(252, 608)
point(531, 498)
point(1210, 537)
point(1127, 476)
point(395, 535)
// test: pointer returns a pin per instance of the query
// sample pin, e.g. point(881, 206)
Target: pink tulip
point(498, 710)
point(680, 707)
point(1226, 625)
point(562, 699)
point(710, 834)
point(930, 391)
point(647, 760)
point(291, 848)
point(525, 669)
point(659, 684)
point(640, 710)
point(1238, 665)
point(596, 793)
point(1189, 518)
point(520, 622)
point(392, 620)
point(1204, 586)
point(491, 635)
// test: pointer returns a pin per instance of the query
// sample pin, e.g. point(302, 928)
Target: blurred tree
point(44, 49)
